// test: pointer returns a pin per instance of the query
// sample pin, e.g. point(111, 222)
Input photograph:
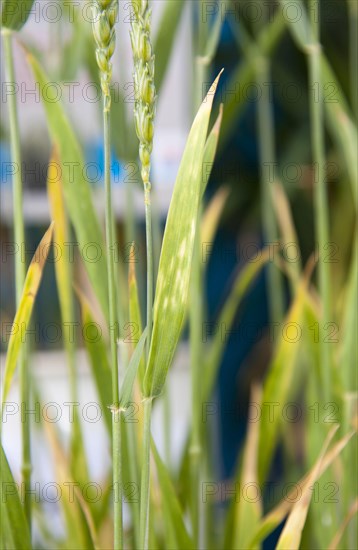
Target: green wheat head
point(104, 17)
point(145, 96)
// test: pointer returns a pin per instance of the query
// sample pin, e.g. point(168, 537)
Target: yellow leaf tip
point(208, 101)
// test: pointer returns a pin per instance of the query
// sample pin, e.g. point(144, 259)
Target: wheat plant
point(185, 504)
point(104, 19)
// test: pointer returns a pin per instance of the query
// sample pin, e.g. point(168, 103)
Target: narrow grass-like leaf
point(61, 236)
point(23, 314)
point(63, 274)
point(349, 348)
point(290, 537)
point(165, 37)
point(14, 14)
point(177, 251)
point(15, 534)
point(132, 430)
point(248, 511)
point(278, 514)
point(334, 545)
point(98, 357)
point(210, 222)
point(81, 530)
point(126, 389)
point(170, 505)
point(75, 188)
point(279, 379)
point(285, 221)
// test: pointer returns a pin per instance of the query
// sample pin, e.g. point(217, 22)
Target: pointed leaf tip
point(172, 288)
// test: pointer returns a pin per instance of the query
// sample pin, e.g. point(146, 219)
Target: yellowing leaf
point(287, 228)
point(249, 511)
point(23, 314)
point(291, 535)
point(81, 529)
point(279, 379)
point(278, 514)
point(61, 236)
point(351, 513)
point(64, 278)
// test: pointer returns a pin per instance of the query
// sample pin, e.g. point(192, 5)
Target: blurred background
point(265, 139)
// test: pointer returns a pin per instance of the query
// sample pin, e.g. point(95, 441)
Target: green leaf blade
point(76, 190)
point(173, 514)
point(125, 393)
point(14, 530)
point(278, 383)
point(98, 359)
point(177, 251)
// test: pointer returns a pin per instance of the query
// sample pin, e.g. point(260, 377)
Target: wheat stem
point(104, 18)
point(150, 267)
point(266, 135)
point(117, 480)
point(144, 111)
point(145, 477)
point(116, 418)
